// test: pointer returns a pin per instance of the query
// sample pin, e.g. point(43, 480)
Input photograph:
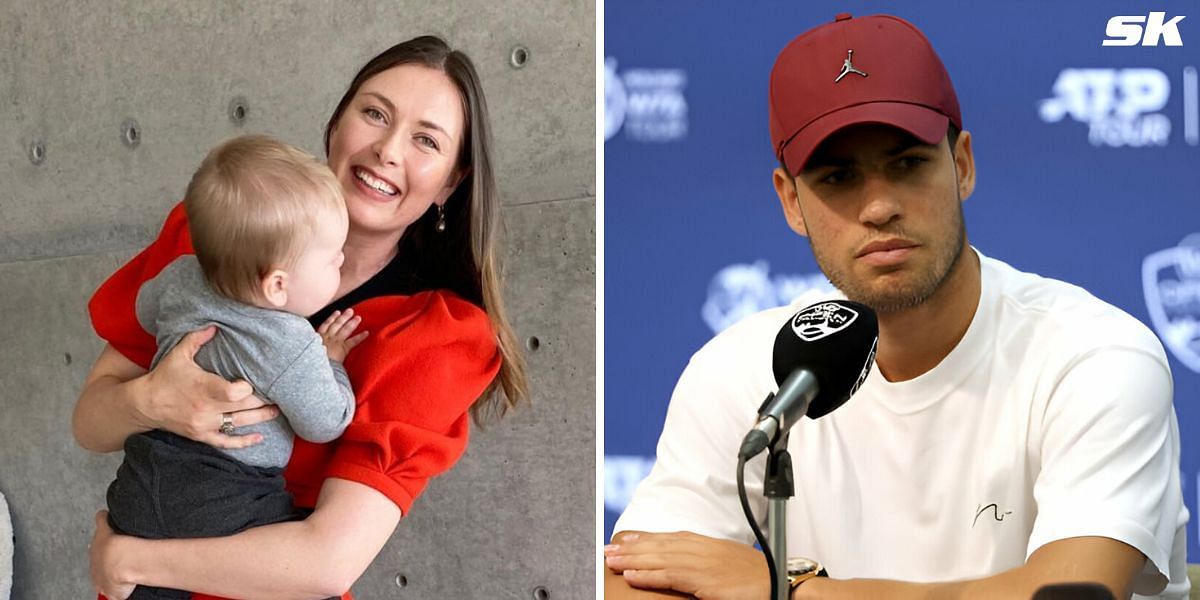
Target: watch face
point(797, 566)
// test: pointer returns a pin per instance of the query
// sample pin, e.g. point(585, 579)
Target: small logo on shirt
point(994, 512)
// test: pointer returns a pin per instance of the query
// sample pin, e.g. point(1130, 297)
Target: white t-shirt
point(1051, 419)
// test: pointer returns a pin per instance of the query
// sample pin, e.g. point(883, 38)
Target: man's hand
point(690, 563)
point(337, 332)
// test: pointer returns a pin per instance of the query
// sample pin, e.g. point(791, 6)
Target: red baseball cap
point(875, 69)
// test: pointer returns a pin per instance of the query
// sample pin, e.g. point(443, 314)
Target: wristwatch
point(801, 569)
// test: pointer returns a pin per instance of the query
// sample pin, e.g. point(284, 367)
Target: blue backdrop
point(1088, 161)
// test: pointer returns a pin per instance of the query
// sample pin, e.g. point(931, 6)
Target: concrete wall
point(517, 514)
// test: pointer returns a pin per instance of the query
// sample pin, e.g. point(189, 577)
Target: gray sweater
point(277, 352)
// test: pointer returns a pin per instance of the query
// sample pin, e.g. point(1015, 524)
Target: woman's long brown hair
point(463, 258)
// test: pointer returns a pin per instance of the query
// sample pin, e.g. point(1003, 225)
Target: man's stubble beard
point(901, 297)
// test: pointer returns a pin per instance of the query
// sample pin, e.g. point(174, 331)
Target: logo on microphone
point(1171, 282)
point(822, 320)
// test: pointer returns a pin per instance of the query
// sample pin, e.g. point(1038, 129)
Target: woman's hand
point(120, 398)
point(190, 401)
point(103, 558)
point(337, 333)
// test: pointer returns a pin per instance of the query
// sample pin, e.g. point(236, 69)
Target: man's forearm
point(715, 568)
point(821, 587)
point(998, 587)
point(615, 588)
point(1093, 560)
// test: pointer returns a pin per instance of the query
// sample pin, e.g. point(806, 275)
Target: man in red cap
point(1015, 431)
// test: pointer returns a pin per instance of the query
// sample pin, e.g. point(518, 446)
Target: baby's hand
point(337, 332)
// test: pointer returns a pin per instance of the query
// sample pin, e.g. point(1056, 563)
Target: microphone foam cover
point(835, 340)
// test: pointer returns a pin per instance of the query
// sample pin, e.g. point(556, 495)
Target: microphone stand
point(778, 486)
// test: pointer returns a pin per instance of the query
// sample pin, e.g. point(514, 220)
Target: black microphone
point(821, 357)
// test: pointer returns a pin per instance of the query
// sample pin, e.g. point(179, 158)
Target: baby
point(267, 222)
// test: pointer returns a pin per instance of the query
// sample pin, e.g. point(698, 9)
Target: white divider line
point(1191, 107)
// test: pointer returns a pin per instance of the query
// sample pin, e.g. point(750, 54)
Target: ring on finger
point(227, 423)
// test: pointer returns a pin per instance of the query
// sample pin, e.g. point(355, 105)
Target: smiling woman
point(409, 143)
point(397, 147)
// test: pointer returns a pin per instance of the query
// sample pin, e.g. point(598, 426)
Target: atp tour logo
point(1119, 106)
point(1171, 281)
point(822, 320)
point(740, 290)
point(648, 103)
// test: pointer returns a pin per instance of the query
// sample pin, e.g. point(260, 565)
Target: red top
point(428, 357)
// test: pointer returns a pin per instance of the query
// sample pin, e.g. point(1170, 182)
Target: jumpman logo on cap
point(848, 67)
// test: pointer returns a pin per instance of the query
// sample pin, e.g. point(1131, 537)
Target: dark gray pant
point(172, 487)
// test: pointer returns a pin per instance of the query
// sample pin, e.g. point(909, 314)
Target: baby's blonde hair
point(252, 207)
